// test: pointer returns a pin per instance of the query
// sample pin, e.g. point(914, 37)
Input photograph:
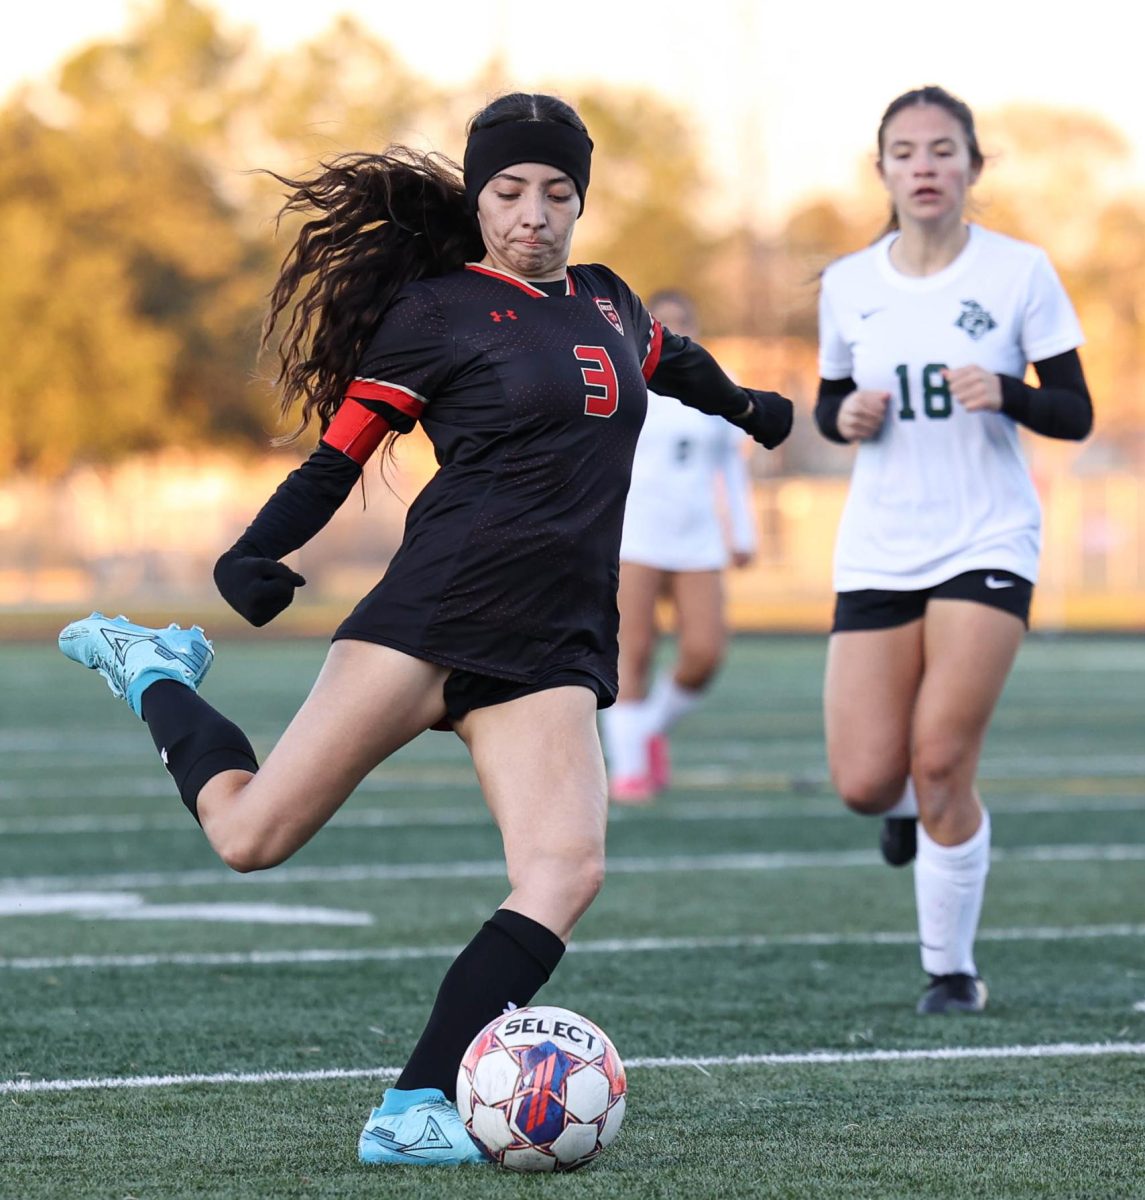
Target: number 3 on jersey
point(599, 374)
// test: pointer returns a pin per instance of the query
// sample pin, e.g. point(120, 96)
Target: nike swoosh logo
point(864, 316)
point(992, 581)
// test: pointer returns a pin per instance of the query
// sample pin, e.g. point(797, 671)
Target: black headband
point(495, 147)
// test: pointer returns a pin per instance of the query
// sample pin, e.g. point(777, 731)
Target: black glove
point(256, 588)
point(769, 420)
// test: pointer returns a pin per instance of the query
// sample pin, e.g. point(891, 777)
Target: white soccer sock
point(906, 805)
point(949, 883)
point(667, 702)
point(626, 732)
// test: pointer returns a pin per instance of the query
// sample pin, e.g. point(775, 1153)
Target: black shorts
point(876, 608)
point(467, 690)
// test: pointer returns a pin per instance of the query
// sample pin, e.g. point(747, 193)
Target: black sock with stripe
point(507, 963)
point(194, 740)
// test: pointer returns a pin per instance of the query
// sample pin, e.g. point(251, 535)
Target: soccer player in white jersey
point(677, 540)
point(924, 341)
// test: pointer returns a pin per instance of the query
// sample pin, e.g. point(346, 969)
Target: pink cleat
point(631, 789)
point(659, 761)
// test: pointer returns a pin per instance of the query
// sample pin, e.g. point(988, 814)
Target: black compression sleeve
point(305, 500)
point(832, 393)
point(1060, 408)
point(689, 373)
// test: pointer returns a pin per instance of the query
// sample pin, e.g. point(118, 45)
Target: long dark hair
point(379, 221)
point(940, 98)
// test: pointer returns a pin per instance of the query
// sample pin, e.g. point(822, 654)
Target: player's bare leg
point(701, 630)
point(539, 762)
point(367, 702)
point(640, 587)
point(969, 650)
point(701, 641)
point(625, 723)
point(872, 680)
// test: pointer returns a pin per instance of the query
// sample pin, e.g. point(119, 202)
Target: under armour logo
point(507, 315)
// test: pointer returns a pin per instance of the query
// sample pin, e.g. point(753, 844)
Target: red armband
point(655, 345)
point(355, 431)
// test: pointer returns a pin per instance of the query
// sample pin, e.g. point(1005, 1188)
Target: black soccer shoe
point(953, 994)
point(898, 840)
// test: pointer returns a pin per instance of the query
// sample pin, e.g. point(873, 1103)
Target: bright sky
point(786, 93)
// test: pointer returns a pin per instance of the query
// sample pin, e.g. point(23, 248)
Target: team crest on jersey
point(608, 309)
point(975, 320)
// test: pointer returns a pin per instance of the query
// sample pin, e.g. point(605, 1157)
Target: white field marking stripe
point(415, 777)
point(476, 816)
point(392, 779)
point(495, 869)
point(235, 914)
point(1002, 769)
point(259, 958)
point(937, 1054)
point(808, 1058)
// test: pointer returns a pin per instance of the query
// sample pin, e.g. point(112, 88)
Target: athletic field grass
point(170, 1030)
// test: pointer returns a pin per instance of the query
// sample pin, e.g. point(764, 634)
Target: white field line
point(495, 868)
point(475, 815)
point(127, 906)
point(260, 958)
point(731, 770)
point(808, 1058)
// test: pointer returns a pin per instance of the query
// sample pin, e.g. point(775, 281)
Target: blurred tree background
point(140, 241)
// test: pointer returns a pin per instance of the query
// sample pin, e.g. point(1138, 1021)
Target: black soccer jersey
point(533, 403)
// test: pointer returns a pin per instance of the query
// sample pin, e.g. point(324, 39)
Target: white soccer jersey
point(939, 491)
point(672, 516)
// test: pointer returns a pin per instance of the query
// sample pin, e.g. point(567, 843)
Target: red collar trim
point(516, 281)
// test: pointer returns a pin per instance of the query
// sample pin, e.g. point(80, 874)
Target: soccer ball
point(541, 1089)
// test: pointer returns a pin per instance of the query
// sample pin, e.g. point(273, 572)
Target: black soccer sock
point(506, 964)
point(195, 741)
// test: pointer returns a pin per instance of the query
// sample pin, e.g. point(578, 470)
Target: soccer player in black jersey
point(416, 296)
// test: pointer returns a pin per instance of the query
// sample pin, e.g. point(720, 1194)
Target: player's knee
point(866, 793)
point(696, 675)
point(572, 878)
point(936, 763)
point(244, 854)
point(582, 878)
point(698, 664)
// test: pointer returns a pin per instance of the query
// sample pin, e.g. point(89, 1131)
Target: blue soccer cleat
point(132, 657)
point(417, 1127)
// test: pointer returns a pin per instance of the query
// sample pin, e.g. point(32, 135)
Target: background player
point(925, 337)
point(674, 545)
point(418, 296)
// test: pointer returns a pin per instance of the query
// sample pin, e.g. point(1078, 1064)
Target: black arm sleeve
point(1060, 408)
point(832, 393)
point(303, 503)
point(689, 373)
